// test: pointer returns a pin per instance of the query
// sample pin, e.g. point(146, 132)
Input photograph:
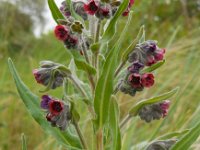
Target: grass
point(181, 69)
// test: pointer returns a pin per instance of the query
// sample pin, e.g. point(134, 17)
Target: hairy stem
point(96, 40)
point(125, 121)
point(119, 68)
point(100, 139)
point(80, 135)
point(78, 86)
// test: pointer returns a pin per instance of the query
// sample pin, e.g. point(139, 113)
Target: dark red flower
point(37, 76)
point(49, 116)
point(126, 12)
point(91, 7)
point(135, 80)
point(165, 106)
point(71, 42)
point(103, 12)
point(56, 107)
point(159, 55)
point(147, 79)
point(150, 60)
point(61, 32)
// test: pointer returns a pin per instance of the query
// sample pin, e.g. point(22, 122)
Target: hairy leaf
point(55, 11)
point(186, 141)
point(114, 124)
point(139, 105)
point(32, 103)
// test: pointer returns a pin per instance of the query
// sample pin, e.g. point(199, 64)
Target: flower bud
point(79, 9)
point(71, 42)
point(45, 101)
point(91, 7)
point(154, 111)
point(135, 67)
point(147, 53)
point(161, 145)
point(65, 9)
point(47, 74)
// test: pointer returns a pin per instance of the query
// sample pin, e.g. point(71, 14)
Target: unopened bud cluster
point(162, 145)
point(154, 111)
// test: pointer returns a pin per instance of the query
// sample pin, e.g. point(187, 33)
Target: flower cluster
point(154, 111)
point(58, 113)
point(136, 81)
point(47, 74)
point(148, 53)
point(64, 34)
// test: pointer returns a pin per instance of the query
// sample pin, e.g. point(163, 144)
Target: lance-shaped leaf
point(132, 45)
point(111, 29)
point(104, 88)
point(176, 134)
point(55, 11)
point(114, 124)
point(81, 64)
point(139, 105)
point(32, 103)
point(24, 145)
point(153, 67)
point(186, 141)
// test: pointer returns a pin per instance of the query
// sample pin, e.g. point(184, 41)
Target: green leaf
point(24, 145)
point(55, 11)
point(32, 103)
point(173, 134)
point(153, 67)
point(114, 124)
point(132, 45)
point(111, 29)
point(186, 141)
point(104, 88)
point(81, 64)
point(139, 105)
point(142, 39)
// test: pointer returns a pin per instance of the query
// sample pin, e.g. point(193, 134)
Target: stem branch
point(80, 134)
point(125, 121)
point(119, 68)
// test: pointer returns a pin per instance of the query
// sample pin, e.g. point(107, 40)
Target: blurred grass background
point(175, 24)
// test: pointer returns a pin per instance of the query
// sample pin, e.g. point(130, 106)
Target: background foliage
point(174, 23)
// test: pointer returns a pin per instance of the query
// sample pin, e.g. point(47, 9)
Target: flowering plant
point(85, 29)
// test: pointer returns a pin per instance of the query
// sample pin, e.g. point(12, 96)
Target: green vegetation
point(173, 24)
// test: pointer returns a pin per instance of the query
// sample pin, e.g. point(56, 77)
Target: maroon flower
point(147, 80)
point(91, 7)
point(135, 80)
point(49, 117)
point(126, 12)
point(165, 106)
point(71, 42)
point(56, 107)
point(61, 32)
point(37, 76)
point(159, 55)
point(150, 60)
point(103, 12)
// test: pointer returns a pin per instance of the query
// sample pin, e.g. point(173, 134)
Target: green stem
point(96, 40)
point(125, 121)
point(80, 135)
point(119, 68)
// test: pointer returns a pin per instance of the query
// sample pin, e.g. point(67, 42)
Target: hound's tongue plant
point(79, 30)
